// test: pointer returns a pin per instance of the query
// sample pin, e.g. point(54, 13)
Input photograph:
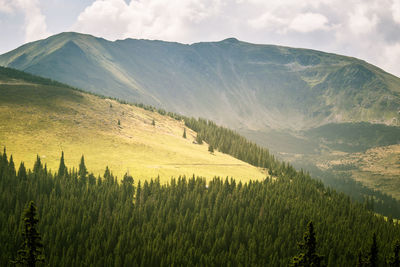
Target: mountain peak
point(230, 40)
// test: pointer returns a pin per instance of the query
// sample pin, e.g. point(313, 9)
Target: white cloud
point(390, 58)
point(35, 22)
point(268, 21)
point(360, 22)
point(309, 22)
point(104, 18)
point(157, 19)
point(6, 6)
point(396, 10)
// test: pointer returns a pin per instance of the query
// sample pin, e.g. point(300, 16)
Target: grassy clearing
point(377, 168)
point(45, 120)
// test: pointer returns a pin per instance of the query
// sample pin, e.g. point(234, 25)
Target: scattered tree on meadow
point(153, 123)
point(199, 140)
point(184, 132)
point(210, 149)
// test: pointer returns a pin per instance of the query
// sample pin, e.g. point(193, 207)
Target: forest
point(104, 221)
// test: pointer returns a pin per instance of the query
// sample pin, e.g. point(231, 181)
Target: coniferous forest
point(96, 221)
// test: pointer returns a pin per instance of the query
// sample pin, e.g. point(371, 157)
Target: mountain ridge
point(234, 83)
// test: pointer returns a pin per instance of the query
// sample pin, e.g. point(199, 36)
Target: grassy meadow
point(45, 120)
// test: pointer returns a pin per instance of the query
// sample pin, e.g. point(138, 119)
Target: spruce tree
point(360, 260)
point(11, 167)
point(395, 260)
point(22, 172)
point(199, 140)
point(373, 253)
point(82, 169)
point(32, 248)
point(308, 256)
point(37, 167)
point(153, 123)
point(184, 133)
point(62, 169)
point(210, 149)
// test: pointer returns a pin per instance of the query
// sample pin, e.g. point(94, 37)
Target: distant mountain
point(237, 84)
point(42, 117)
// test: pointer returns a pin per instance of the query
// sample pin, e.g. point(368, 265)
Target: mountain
point(287, 99)
point(42, 117)
point(237, 84)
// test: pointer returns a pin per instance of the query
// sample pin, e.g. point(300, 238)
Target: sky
point(366, 29)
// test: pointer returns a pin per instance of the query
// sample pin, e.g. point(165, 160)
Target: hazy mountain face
point(237, 84)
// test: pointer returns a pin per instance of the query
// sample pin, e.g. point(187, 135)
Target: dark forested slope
point(85, 220)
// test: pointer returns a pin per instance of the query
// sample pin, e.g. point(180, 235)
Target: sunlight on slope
point(45, 120)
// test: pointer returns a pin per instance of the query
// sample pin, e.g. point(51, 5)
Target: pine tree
point(37, 167)
point(32, 248)
point(373, 253)
point(11, 167)
point(199, 140)
point(62, 169)
point(360, 260)
point(153, 123)
point(309, 256)
point(22, 172)
point(184, 133)
point(395, 260)
point(82, 169)
point(210, 149)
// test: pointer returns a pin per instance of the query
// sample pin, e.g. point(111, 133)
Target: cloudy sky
point(367, 29)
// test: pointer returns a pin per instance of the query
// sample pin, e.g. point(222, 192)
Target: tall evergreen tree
point(32, 248)
point(11, 166)
point(395, 260)
point(199, 140)
point(62, 169)
point(360, 261)
point(373, 253)
point(210, 149)
point(37, 167)
point(82, 169)
point(184, 133)
point(22, 171)
point(308, 256)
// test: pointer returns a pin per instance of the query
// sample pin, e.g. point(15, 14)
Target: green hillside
point(43, 117)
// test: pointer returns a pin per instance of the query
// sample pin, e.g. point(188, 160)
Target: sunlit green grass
point(46, 120)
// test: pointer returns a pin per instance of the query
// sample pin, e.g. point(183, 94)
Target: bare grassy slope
point(46, 119)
